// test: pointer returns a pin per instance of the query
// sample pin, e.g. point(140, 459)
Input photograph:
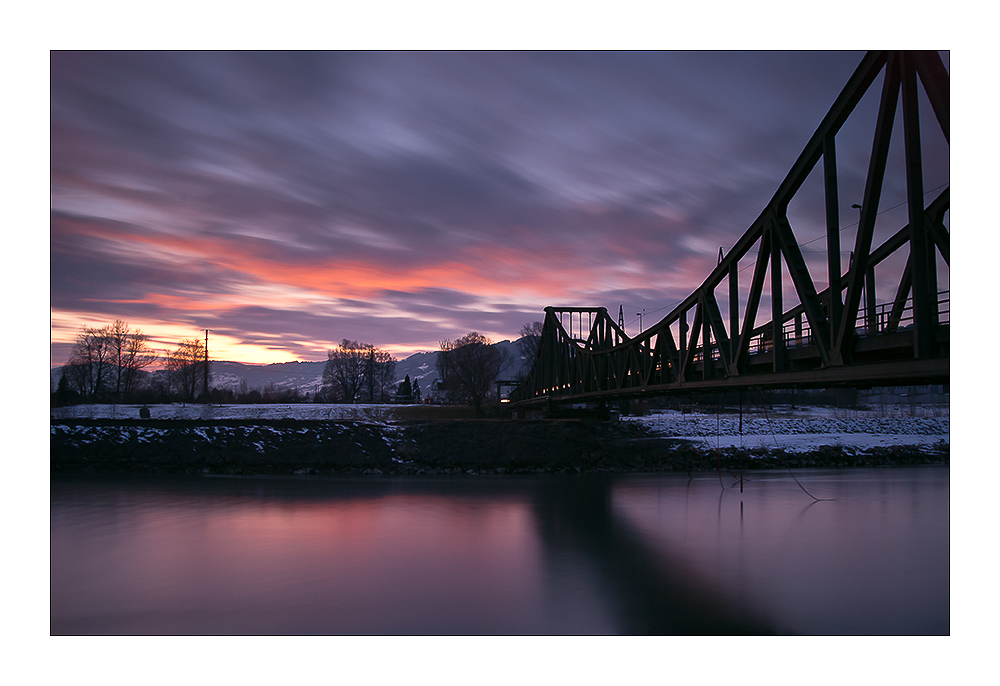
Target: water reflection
point(872, 559)
point(530, 555)
point(651, 591)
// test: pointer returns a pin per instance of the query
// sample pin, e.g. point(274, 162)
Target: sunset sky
point(287, 201)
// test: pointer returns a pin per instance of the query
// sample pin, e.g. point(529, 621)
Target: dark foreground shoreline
point(481, 447)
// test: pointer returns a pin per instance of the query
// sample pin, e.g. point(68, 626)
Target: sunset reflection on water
point(538, 555)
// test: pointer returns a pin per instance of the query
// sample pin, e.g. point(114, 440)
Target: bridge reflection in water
point(650, 590)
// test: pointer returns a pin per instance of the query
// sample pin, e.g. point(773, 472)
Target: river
point(858, 551)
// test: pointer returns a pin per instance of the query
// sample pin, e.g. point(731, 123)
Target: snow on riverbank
point(793, 430)
point(370, 414)
point(804, 429)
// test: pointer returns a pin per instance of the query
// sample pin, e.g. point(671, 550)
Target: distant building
point(438, 393)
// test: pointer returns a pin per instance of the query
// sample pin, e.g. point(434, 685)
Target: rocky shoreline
point(470, 447)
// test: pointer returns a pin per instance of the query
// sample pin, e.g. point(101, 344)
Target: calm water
point(480, 555)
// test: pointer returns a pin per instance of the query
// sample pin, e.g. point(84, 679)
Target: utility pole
point(371, 375)
point(206, 365)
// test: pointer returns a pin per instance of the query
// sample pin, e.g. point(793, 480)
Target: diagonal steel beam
point(935, 79)
point(777, 305)
point(869, 209)
point(692, 342)
point(899, 302)
point(714, 318)
point(843, 106)
point(804, 286)
point(939, 234)
point(753, 302)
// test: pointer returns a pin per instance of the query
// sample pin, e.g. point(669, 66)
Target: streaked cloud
point(288, 200)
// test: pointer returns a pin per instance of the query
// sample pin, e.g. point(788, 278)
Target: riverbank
point(446, 446)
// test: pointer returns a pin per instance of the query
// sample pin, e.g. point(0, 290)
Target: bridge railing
point(797, 332)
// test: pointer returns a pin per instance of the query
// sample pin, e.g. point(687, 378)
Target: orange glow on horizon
point(164, 337)
point(487, 273)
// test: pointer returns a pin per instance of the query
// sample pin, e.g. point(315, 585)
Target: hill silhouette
point(307, 377)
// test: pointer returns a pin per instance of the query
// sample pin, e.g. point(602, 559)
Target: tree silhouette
point(129, 352)
point(469, 366)
point(354, 368)
point(530, 334)
point(186, 365)
point(105, 362)
point(404, 393)
point(89, 363)
point(383, 375)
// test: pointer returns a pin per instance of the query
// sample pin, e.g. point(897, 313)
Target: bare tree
point(358, 370)
point(469, 366)
point(384, 375)
point(129, 352)
point(90, 363)
point(530, 334)
point(345, 371)
point(137, 356)
point(106, 361)
point(186, 367)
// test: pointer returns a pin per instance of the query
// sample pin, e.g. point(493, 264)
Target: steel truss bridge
point(839, 336)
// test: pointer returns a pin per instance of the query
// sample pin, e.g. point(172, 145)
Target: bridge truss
point(838, 336)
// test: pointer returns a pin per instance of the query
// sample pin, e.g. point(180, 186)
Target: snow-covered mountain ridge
point(308, 376)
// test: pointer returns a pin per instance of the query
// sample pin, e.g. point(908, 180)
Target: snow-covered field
point(806, 428)
point(801, 429)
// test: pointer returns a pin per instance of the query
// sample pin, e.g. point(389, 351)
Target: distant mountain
point(419, 366)
point(307, 377)
point(423, 366)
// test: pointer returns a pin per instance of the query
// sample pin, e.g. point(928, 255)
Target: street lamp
point(639, 314)
point(871, 324)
